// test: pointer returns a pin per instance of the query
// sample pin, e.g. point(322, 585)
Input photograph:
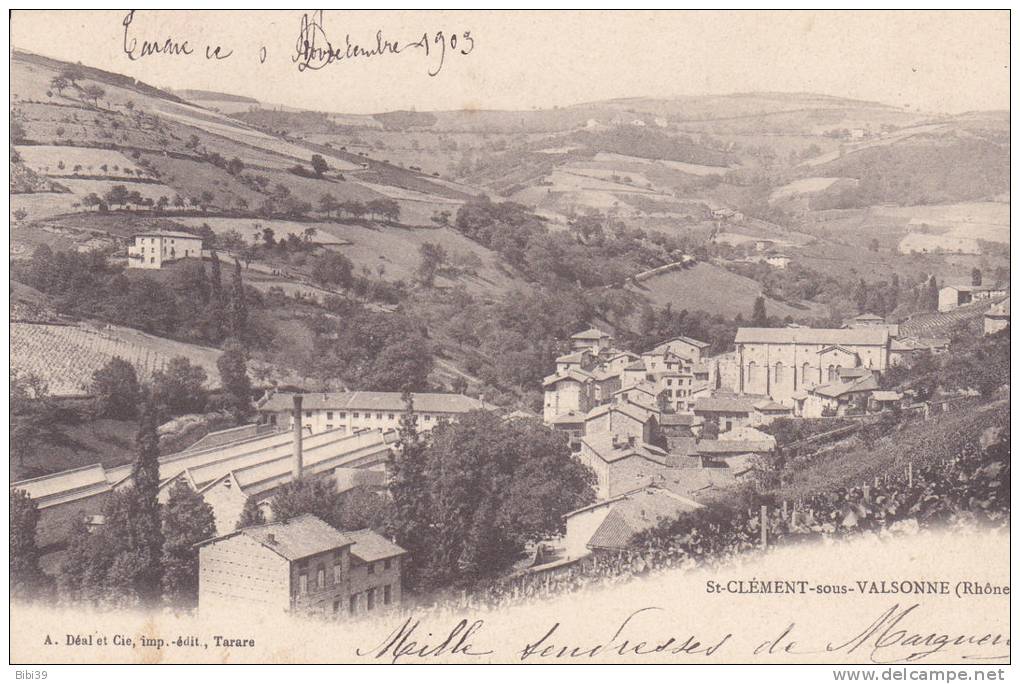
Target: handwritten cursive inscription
point(314, 51)
point(887, 639)
point(405, 641)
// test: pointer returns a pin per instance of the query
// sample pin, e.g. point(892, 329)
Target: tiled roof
point(297, 538)
point(590, 334)
point(636, 366)
point(636, 512)
point(65, 486)
point(769, 405)
point(838, 389)
point(679, 419)
point(168, 234)
point(632, 410)
point(424, 402)
point(886, 395)
point(721, 446)
point(728, 403)
point(574, 374)
point(569, 417)
point(370, 546)
point(645, 387)
point(573, 357)
point(347, 479)
point(268, 475)
point(689, 340)
point(602, 445)
point(822, 336)
point(1000, 309)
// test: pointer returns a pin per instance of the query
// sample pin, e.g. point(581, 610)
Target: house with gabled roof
point(302, 565)
point(612, 524)
point(592, 338)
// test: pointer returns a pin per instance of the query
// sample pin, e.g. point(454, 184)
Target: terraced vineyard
point(66, 356)
point(940, 323)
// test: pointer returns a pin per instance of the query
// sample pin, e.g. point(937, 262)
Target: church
point(780, 362)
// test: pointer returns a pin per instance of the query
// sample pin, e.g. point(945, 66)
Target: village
point(662, 432)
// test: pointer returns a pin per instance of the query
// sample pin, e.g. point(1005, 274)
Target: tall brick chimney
point(298, 464)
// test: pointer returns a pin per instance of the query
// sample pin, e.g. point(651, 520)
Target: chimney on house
point(271, 538)
point(298, 437)
point(630, 440)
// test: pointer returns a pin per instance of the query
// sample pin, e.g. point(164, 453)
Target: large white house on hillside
point(152, 250)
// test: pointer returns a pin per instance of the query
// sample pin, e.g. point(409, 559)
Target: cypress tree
point(238, 306)
point(25, 575)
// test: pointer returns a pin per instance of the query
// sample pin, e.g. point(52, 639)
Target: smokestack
point(298, 436)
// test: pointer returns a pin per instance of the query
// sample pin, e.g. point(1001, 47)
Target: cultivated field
point(711, 288)
point(972, 220)
point(79, 161)
point(66, 356)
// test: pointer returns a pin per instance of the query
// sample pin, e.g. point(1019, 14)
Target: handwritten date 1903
point(314, 50)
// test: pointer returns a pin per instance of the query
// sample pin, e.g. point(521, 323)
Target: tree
point(72, 74)
point(433, 257)
point(251, 514)
point(333, 268)
point(319, 165)
point(238, 311)
point(187, 520)
point(180, 387)
point(94, 93)
point(26, 577)
point(118, 195)
point(144, 526)
point(235, 166)
point(328, 203)
point(59, 82)
point(269, 237)
point(759, 318)
point(861, 296)
point(233, 368)
point(478, 492)
point(930, 298)
point(307, 495)
point(116, 389)
point(361, 508)
point(975, 277)
point(873, 245)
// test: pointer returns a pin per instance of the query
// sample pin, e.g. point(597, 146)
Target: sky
point(931, 61)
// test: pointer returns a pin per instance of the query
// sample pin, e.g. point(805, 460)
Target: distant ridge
point(95, 74)
point(189, 94)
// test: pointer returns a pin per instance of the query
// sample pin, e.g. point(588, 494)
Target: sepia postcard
point(511, 337)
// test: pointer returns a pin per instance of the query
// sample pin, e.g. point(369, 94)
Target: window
point(371, 568)
point(329, 415)
point(329, 426)
point(336, 606)
point(152, 260)
point(338, 573)
point(356, 416)
point(804, 372)
point(386, 597)
point(390, 416)
point(308, 414)
point(779, 371)
point(750, 372)
point(428, 417)
point(386, 564)
point(352, 604)
point(832, 373)
point(370, 599)
point(303, 583)
point(320, 577)
point(343, 415)
point(378, 416)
